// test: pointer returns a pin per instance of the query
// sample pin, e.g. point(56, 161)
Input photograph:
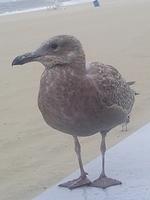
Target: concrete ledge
point(128, 161)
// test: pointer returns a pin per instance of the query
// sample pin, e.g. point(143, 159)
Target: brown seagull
point(80, 99)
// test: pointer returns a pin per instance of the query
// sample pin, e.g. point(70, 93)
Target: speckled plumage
point(80, 99)
point(83, 103)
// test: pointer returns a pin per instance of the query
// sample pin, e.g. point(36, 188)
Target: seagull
point(80, 99)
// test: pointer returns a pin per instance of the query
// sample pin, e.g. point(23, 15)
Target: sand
point(32, 155)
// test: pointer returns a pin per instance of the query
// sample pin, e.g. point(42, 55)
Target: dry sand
point(32, 155)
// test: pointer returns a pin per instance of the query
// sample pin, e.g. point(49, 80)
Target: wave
point(75, 2)
point(24, 11)
point(53, 6)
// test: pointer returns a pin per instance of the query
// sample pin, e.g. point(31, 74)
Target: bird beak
point(28, 57)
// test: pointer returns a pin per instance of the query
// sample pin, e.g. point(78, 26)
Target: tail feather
point(131, 82)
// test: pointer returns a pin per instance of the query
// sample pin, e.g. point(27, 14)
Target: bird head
point(58, 51)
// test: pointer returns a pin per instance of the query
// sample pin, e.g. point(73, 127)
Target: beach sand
point(32, 155)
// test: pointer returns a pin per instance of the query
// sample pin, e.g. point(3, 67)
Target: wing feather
point(112, 88)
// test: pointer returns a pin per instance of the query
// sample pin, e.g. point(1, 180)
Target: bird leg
point(82, 180)
point(103, 181)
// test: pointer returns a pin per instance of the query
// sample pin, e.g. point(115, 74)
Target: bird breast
point(68, 103)
point(71, 104)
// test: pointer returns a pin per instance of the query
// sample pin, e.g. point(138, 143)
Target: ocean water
point(8, 7)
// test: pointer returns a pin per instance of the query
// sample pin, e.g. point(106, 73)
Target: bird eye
point(54, 46)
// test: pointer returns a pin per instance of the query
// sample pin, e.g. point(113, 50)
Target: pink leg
point(82, 180)
point(103, 181)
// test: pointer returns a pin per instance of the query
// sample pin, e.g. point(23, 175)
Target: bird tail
point(131, 82)
point(136, 93)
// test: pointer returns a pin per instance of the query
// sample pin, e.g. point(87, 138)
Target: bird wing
point(112, 88)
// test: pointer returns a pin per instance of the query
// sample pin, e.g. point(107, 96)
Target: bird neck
point(78, 66)
point(75, 66)
point(74, 69)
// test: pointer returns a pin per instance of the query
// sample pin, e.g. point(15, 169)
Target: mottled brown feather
point(81, 100)
point(76, 98)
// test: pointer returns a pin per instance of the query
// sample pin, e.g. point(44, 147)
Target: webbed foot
point(104, 182)
point(79, 182)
